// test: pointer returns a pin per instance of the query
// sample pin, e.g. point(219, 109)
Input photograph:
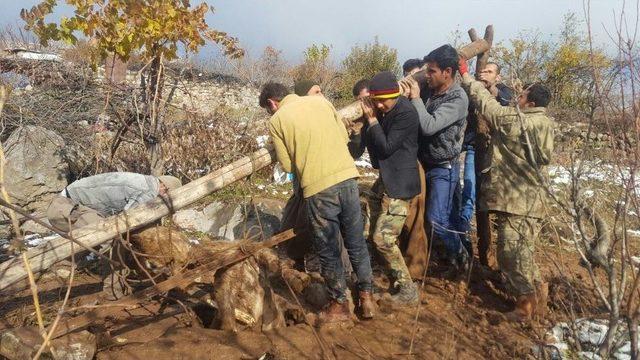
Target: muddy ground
point(455, 321)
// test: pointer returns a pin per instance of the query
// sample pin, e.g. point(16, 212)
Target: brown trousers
point(413, 239)
point(65, 214)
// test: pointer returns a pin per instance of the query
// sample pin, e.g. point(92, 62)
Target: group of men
point(407, 128)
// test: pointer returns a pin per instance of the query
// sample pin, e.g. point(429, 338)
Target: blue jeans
point(468, 195)
point(442, 209)
point(332, 212)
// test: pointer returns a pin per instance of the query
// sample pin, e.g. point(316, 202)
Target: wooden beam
point(219, 260)
point(58, 249)
point(353, 111)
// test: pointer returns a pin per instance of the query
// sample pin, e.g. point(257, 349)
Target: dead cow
point(241, 291)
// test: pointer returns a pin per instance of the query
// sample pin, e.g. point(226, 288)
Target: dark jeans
point(442, 207)
point(332, 212)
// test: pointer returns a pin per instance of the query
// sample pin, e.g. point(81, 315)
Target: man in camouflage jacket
point(522, 146)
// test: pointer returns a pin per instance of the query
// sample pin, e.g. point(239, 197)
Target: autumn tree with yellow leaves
point(154, 29)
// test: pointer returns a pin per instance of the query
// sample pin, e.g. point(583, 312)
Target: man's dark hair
point(273, 91)
point(445, 56)
point(538, 94)
point(412, 64)
point(498, 67)
point(359, 86)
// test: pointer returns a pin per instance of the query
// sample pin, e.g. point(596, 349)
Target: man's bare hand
point(486, 79)
point(368, 110)
point(410, 88)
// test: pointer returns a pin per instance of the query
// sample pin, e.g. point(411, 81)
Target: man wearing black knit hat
point(392, 141)
point(442, 125)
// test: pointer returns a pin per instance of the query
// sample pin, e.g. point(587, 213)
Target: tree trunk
point(154, 116)
point(483, 158)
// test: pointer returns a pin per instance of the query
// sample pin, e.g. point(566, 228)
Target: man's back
point(515, 186)
point(111, 193)
point(312, 135)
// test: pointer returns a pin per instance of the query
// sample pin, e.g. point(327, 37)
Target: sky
point(412, 27)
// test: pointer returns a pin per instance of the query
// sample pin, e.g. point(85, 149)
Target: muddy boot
point(542, 293)
point(525, 307)
point(335, 312)
point(407, 294)
point(367, 305)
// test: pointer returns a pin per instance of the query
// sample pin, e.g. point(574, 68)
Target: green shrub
point(364, 62)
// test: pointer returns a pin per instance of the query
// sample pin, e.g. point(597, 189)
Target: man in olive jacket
point(392, 141)
point(522, 146)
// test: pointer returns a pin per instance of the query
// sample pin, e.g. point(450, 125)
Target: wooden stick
point(245, 250)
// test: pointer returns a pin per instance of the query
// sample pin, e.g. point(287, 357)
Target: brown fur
point(165, 246)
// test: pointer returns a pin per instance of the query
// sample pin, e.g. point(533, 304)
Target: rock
point(233, 221)
point(23, 343)
point(31, 227)
point(36, 169)
point(75, 346)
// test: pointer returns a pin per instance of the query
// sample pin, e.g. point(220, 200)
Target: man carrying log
point(442, 124)
point(392, 141)
point(93, 198)
point(310, 140)
point(474, 168)
point(412, 66)
point(521, 145)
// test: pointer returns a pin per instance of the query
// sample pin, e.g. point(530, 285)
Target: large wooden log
point(483, 158)
point(353, 111)
point(12, 272)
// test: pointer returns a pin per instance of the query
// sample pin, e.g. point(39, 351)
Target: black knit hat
point(302, 87)
point(384, 85)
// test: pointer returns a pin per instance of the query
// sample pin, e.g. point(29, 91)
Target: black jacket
point(393, 148)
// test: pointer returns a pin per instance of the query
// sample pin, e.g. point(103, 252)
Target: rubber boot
point(407, 294)
point(525, 307)
point(367, 305)
point(335, 312)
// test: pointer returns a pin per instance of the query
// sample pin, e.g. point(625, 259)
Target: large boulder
point(35, 170)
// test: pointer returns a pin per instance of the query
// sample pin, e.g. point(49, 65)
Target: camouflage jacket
point(513, 184)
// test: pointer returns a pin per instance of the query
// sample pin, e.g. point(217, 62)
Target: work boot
point(367, 305)
point(525, 307)
point(407, 294)
point(335, 312)
point(542, 293)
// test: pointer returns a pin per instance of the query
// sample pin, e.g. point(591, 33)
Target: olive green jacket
point(514, 183)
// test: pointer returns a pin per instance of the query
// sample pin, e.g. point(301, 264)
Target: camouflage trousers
point(384, 219)
point(515, 246)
